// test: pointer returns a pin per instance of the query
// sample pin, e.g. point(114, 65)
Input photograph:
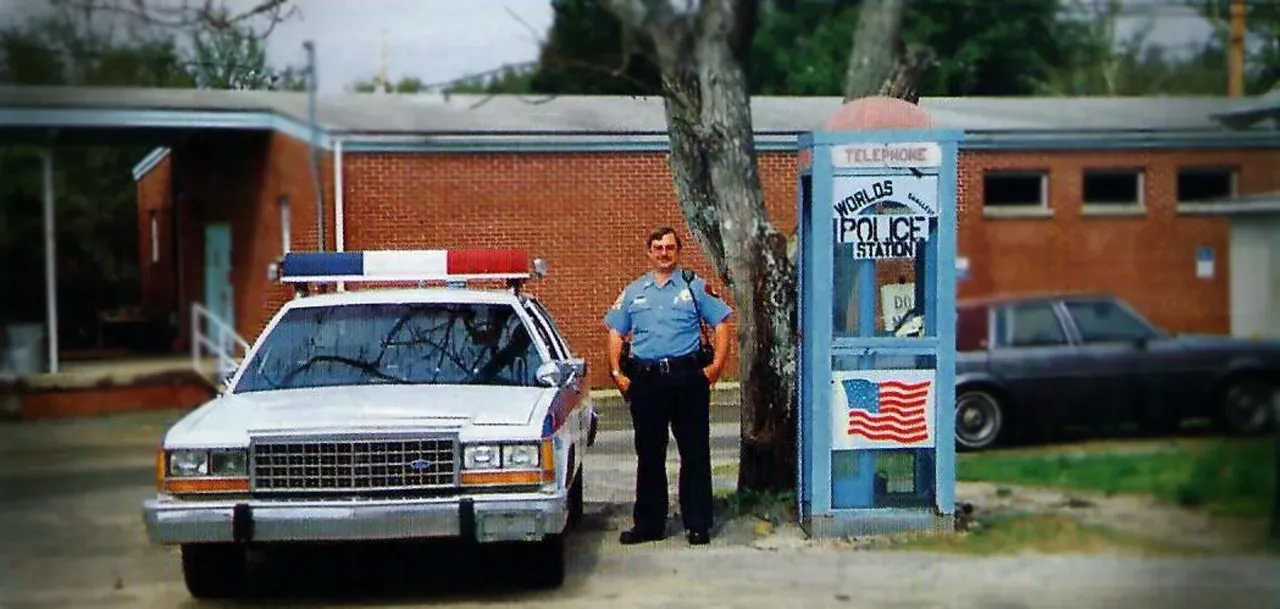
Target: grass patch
point(1042, 533)
point(772, 506)
point(1228, 478)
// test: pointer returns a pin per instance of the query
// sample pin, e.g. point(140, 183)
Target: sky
point(442, 40)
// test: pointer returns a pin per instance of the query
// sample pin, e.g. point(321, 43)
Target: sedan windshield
point(368, 344)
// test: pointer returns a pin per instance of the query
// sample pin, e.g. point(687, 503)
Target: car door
point(1038, 364)
point(1139, 376)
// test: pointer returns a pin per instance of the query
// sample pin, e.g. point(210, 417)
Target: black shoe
point(699, 538)
point(634, 536)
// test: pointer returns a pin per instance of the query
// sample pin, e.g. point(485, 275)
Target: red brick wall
point(156, 279)
point(1148, 260)
point(587, 215)
point(235, 178)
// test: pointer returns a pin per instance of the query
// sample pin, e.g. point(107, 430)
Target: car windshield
point(371, 344)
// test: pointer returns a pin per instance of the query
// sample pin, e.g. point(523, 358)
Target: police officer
point(667, 384)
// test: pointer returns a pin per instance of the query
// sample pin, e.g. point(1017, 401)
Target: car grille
point(354, 465)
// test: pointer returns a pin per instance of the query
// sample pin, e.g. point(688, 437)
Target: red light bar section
point(483, 262)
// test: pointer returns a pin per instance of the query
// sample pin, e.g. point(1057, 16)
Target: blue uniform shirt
point(662, 318)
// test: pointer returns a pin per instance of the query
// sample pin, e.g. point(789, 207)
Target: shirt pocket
point(640, 311)
point(685, 311)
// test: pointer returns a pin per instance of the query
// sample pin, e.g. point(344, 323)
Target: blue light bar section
point(322, 264)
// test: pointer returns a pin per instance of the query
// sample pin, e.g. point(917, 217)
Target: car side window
point(971, 328)
point(1102, 321)
point(552, 346)
point(1035, 325)
point(556, 334)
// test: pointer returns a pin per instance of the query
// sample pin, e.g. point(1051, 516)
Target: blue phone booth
point(877, 280)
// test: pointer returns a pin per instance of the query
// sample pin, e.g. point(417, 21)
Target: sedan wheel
point(979, 420)
point(1246, 407)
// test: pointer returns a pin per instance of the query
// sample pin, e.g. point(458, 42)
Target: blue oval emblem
point(419, 464)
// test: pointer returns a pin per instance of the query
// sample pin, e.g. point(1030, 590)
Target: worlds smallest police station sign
point(884, 235)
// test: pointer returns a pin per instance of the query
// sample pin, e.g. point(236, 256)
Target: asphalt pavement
point(71, 535)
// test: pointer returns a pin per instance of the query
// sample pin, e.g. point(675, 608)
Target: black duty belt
point(665, 365)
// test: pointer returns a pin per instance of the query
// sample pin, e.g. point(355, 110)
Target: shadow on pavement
point(436, 571)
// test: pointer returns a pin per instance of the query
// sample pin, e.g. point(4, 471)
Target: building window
point(1015, 189)
point(1112, 187)
point(155, 236)
point(1197, 184)
point(285, 225)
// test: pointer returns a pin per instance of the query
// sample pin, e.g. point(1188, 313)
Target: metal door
point(218, 293)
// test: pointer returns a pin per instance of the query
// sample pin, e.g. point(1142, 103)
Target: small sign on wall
point(1204, 262)
point(896, 300)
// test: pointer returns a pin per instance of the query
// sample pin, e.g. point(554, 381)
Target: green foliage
point(802, 47)
point(588, 52)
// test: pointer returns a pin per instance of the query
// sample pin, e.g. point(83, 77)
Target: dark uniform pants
point(681, 400)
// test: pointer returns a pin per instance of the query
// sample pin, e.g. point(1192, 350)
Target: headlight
point(507, 456)
point(481, 456)
point(520, 456)
point(230, 463)
point(187, 463)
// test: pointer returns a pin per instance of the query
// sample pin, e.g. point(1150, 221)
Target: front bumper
point(508, 517)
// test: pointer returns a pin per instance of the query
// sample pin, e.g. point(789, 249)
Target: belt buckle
point(664, 365)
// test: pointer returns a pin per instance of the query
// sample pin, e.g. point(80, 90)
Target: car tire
point(576, 505)
point(547, 566)
point(1246, 407)
point(980, 419)
point(214, 571)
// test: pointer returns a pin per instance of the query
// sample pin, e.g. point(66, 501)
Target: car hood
point(235, 418)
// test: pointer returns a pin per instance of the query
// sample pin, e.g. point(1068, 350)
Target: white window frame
point(1040, 209)
point(286, 225)
point(154, 224)
point(1134, 208)
point(1234, 191)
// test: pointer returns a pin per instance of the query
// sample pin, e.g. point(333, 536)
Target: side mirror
point(550, 374)
point(225, 375)
point(579, 366)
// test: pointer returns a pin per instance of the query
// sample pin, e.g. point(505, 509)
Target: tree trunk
point(703, 55)
point(703, 58)
point(877, 45)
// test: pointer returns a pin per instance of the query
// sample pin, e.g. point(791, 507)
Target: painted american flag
point(888, 411)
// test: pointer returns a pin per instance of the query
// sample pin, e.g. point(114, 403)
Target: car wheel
point(214, 571)
point(548, 565)
point(1246, 407)
point(979, 420)
point(576, 501)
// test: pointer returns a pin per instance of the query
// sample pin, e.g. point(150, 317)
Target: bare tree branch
point(192, 13)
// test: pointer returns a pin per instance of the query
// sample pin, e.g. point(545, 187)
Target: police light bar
point(405, 265)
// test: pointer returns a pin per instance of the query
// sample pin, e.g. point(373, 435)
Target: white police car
point(376, 414)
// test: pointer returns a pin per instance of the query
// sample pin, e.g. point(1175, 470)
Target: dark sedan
point(1030, 365)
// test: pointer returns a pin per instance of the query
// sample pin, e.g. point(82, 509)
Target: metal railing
point(212, 335)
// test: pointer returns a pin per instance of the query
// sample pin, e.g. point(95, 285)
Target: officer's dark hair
point(661, 232)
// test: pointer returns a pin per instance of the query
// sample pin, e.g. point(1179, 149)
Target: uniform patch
point(685, 295)
point(706, 287)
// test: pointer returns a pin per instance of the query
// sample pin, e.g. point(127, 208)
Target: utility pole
point(310, 48)
point(1235, 51)
point(383, 85)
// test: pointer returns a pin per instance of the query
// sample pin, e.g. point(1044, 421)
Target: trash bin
point(23, 349)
